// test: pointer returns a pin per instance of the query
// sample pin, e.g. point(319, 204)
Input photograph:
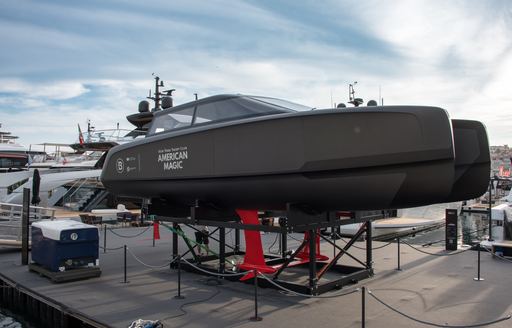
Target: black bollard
point(363, 306)
point(256, 317)
point(179, 296)
point(398, 247)
point(104, 238)
point(125, 249)
point(478, 278)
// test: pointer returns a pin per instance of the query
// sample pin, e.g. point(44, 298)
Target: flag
point(80, 135)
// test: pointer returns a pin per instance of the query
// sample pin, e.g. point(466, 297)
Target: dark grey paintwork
point(364, 158)
point(472, 160)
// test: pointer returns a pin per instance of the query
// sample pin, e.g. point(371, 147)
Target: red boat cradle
point(253, 259)
point(304, 254)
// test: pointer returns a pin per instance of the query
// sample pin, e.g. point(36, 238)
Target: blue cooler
point(59, 245)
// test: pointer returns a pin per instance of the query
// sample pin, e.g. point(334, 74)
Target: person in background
point(202, 239)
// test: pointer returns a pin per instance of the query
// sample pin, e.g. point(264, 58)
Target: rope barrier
point(435, 254)
point(433, 323)
point(124, 236)
point(442, 240)
point(496, 255)
point(364, 248)
point(148, 265)
point(112, 249)
point(305, 295)
point(181, 308)
point(216, 273)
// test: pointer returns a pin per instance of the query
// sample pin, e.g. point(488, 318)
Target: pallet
point(65, 276)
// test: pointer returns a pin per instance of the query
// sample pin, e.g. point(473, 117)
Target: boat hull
point(383, 157)
point(472, 160)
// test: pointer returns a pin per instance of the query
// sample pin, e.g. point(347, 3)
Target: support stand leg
point(369, 242)
point(312, 261)
point(237, 240)
point(222, 250)
point(284, 242)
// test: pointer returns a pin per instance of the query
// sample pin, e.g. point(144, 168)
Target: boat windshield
point(222, 110)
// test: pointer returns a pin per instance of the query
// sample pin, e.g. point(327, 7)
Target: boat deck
point(431, 288)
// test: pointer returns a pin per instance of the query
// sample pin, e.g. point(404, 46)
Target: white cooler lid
point(52, 228)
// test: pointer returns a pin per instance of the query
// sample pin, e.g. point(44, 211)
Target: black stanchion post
point(104, 238)
point(153, 233)
point(490, 210)
point(256, 317)
point(398, 252)
point(125, 262)
point(25, 224)
point(363, 306)
point(478, 278)
point(179, 296)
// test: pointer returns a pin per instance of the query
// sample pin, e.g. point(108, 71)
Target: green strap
point(182, 234)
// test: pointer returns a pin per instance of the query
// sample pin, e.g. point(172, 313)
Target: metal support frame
point(222, 250)
point(284, 244)
point(369, 251)
point(237, 240)
point(316, 268)
point(312, 261)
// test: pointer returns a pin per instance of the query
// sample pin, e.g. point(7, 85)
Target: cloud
point(76, 61)
point(43, 90)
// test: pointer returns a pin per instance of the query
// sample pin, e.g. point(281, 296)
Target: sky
point(65, 62)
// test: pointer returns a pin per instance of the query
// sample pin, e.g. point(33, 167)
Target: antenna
point(157, 98)
point(351, 95)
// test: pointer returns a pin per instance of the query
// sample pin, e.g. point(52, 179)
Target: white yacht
point(13, 156)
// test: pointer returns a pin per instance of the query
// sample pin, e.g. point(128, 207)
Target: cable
point(432, 323)
point(184, 312)
point(289, 235)
point(435, 254)
point(305, 295)
point(272, 245)
point(216, 273)
point(123, 236)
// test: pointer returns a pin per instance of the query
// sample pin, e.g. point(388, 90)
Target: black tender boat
point(237, 151)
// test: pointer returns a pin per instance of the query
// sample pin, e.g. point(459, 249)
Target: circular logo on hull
point(120, 165)
point(74, 236)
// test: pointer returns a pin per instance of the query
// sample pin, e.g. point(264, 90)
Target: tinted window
point(282, 103)
point(234, 108)
point(172, 121)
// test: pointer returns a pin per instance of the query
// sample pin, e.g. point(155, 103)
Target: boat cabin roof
point(220, 108)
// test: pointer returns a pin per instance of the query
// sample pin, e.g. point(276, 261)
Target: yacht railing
point(10, 219)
